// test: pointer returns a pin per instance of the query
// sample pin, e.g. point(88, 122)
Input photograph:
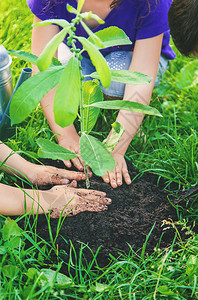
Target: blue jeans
point(120, 60)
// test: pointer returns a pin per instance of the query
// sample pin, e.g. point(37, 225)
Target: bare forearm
point(132, 120)
point(147, 63)
point(40, 37)
point(15, 201)
point(12, 162)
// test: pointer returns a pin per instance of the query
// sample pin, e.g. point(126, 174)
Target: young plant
point(82, 99)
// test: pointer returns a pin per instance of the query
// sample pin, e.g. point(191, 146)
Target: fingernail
point(109, 200)
point(106, 180)
point(128, 181)
point(114, 184)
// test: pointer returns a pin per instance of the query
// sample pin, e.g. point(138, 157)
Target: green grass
point(167, 147)
point(27, 272)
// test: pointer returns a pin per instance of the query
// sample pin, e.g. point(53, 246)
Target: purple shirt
point(133, 16)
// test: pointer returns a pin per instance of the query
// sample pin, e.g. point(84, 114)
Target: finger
point(105, 201)
point(125, 174)
point(106, 177)
point(97, 208)
point(71, 175)
point(77, 163)
point(94, 193)
point(67, 163)
point(112, 177)
point(118, 176)
point(48, 178)
point(57, 179)
point(88, 207)
point(72, 184)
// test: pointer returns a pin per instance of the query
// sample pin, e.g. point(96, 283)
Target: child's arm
point(13, 163)
point(145, 60)
point(67, 137)
point(15, 201)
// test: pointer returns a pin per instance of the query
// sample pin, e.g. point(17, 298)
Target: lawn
point(165, 146)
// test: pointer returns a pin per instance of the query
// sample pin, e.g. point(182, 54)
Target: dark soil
point(129, 219)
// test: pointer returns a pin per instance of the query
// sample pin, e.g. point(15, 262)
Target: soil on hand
point(128, 220)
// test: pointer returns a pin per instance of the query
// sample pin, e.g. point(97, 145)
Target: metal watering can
point(7, 92)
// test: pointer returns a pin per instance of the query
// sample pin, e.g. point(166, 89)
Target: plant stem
point(81, 117)
point(87, 177)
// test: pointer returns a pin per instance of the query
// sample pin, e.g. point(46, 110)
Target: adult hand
point(74, 201)
point(43, 175)
point(72, 144)
point(115, 177)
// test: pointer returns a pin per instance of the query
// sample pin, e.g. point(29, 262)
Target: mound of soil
point(128, 220)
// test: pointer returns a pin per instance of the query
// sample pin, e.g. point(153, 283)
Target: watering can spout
point(6, 90)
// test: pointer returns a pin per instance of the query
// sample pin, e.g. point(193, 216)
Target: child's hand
point(74, 201)
point(115, 177)
point(43, 175)
point(72, 144)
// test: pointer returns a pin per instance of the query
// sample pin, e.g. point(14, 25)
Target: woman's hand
point(72, 201)
point(43, 175)
point(72, 144)
point(115, 177)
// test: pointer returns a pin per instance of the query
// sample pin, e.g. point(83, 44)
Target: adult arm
point(66, 137)
point(145, 60)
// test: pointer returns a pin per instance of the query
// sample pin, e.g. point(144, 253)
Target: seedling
point(82, 99)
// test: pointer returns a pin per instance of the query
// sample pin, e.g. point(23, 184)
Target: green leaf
point(80, 5)
point(45, 59)
point(71, 9)
point(111, 142)
point(92, 92)
point(32, 273)
point(95, 155)
point(10, 229)
point(31, 92)
point(98, 61)
point(100, 287)
point(31, 58)
point(51, 276)
point(3, 250)
point(55, 62)
point(14, 242)
point(188, 76)
point(68, 94)
point(96, 40)
point(63, 280)
point(60, 22)
point(192, 265)
point(112, 36)
point(164, 290)
point(125, 76)
point(11, 234)
point(127, 105)
point(53, 151)
point(89, 15)
point(10, 271)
